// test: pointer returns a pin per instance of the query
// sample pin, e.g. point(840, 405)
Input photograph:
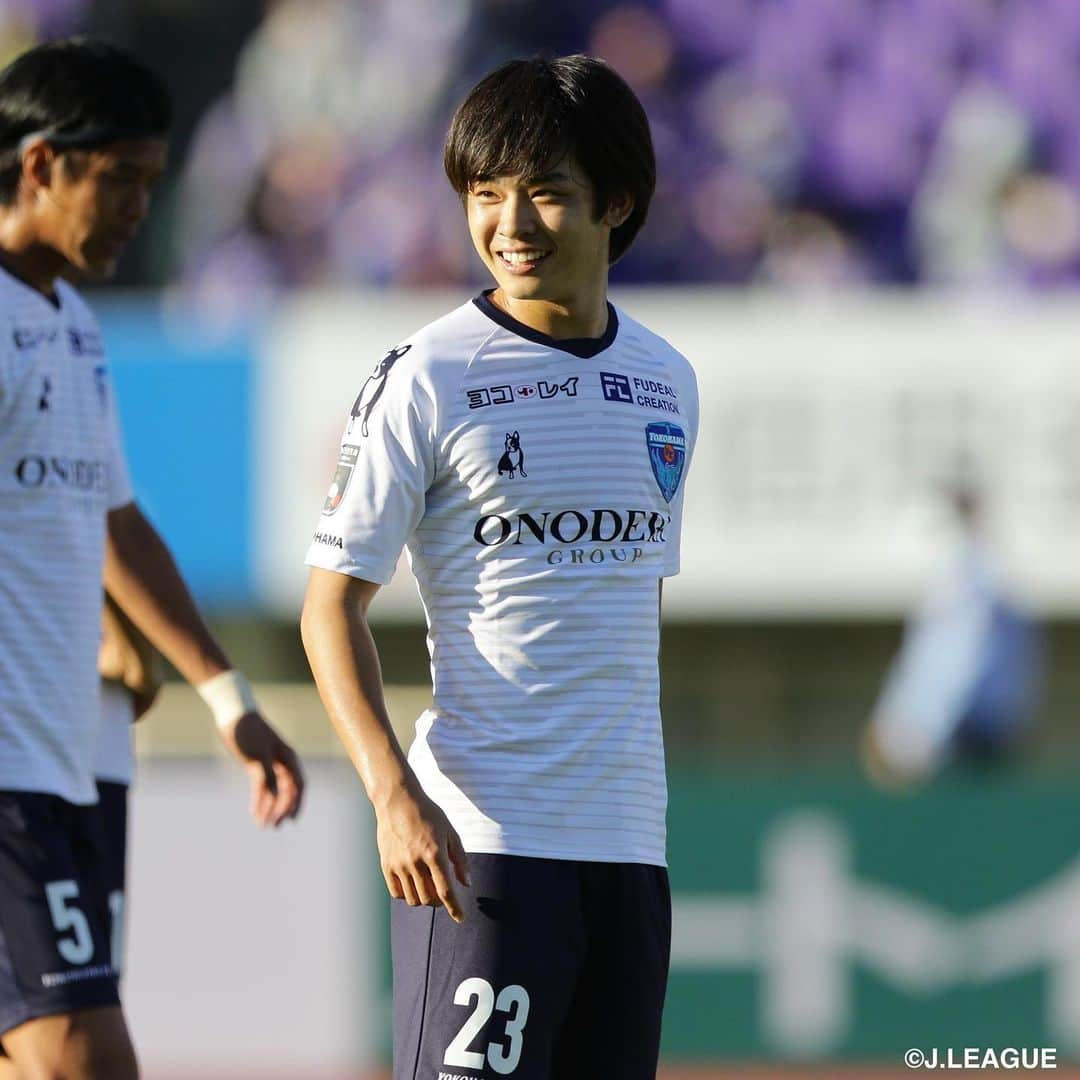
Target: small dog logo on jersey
point(372, 390)
point(340, 480)
point(667, 455)
point(513, 460)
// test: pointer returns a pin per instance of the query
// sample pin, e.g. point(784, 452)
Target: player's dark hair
point(78, 93)
point(529, 114)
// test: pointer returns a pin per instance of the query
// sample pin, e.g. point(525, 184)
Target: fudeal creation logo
point(616, 387)
point(666, 444)
point(340, 480)
point(647, 393)
point(85, 342)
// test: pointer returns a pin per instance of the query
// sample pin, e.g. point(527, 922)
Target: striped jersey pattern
point(537, 486)
point(61, 470)
point(115, 754)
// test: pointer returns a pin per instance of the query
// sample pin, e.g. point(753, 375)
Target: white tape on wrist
point(229, 696)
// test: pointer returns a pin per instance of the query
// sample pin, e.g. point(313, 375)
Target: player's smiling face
point(541, 237)
point(95, 206)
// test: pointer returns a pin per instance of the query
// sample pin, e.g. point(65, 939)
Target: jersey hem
point(106, 777)
point(354, 570)
point(564, 856)
point(89, 798)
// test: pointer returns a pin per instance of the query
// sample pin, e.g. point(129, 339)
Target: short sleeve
point(386, 463)
point(688, 396)
point(120, 493)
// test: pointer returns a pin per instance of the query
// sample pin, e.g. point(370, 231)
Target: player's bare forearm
point(143, 579)
point(417, 844)
point(345, 663)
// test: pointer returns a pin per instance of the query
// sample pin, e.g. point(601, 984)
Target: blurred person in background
point(965, 685)
point(83, 140)
point(801, 142)
point(486, 443)
point(308, 171)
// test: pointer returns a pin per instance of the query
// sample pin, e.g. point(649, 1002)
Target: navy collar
point(52, 300)
point(583, 347)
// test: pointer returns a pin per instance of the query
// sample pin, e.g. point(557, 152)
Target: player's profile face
point(99, 198)
point(540, 236)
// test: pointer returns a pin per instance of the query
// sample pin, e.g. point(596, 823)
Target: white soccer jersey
point(61, 470)
point(538, 487)
point(115, 756)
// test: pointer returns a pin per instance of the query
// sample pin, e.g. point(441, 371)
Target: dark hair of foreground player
point(528, 115)
point(78, 94)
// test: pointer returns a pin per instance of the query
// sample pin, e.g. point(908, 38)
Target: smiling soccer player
point(530, 449)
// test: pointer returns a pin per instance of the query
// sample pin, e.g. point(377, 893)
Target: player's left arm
point(143, 579)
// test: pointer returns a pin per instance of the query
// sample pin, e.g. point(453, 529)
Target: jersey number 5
point(513, 1000)
point(79, 948)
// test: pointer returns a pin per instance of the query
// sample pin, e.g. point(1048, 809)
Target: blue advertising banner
point(185, 404)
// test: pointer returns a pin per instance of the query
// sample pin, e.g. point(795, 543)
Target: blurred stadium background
point(867, 239)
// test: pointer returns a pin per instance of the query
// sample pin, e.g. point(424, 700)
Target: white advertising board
point(251, 953)
point(827, 429)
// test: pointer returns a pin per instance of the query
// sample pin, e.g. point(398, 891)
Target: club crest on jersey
point(667, 455)
point(373, 389)
point(513, 460)
point(340, 480)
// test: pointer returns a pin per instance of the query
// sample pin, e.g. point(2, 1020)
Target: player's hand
point(277, 781)
point(143, 700)
point(417, 846)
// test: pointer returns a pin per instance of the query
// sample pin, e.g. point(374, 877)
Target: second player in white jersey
point(537, 485)
point(83, 130)
point(61, 471)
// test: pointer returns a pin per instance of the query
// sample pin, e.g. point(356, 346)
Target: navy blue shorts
point(113, 805)
point(558, 973)
point(55, 949)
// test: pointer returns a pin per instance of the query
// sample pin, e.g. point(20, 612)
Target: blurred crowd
point(803, 143)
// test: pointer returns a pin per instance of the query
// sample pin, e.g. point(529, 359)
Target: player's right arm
point(417, 843)
point(142, 577)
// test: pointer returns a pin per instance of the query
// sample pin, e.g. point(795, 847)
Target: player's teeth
point(522, 256)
